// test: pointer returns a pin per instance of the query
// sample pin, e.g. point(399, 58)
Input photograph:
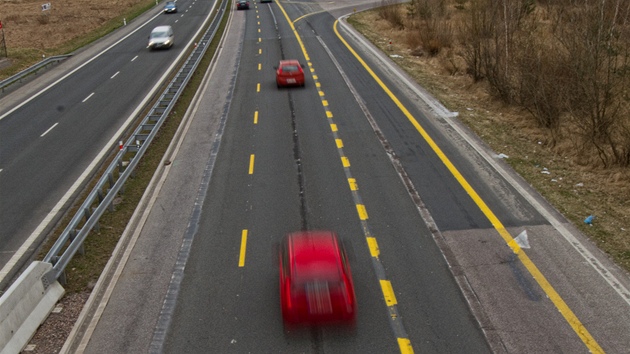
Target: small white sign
point(46, 7)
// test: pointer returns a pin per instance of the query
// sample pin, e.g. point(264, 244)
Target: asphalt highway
point(451, 252)
point(55, 134)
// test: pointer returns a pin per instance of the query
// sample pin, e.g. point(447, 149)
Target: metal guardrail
point(32, 70)
point(112, 182)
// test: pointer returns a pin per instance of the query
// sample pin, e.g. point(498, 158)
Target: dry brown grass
point(31, 33)
point(577, 185)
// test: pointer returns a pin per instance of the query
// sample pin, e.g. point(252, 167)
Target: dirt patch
point(573, 184)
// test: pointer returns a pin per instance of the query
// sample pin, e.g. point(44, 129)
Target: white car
point(161, 37)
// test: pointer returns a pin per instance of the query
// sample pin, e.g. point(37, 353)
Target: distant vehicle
point(161, 37)
point(315, 280)
point(242, 4)
point(170, 7)
point(289, 73)
point(261, 1)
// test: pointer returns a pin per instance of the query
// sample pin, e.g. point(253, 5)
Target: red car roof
point(289, 62)
point(315, 255)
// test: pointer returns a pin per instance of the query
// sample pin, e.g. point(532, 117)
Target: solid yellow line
point(564, 309)
point(388, 293)
point(241, 258)
point(251, 164)
point(255, 117)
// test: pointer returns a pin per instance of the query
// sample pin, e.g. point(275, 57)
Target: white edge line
point(562, 230)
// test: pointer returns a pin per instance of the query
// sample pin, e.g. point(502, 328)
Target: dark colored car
point(289, 73)
point(242, 5)
point(315, 280)
point(170, 7)
point(262, 1)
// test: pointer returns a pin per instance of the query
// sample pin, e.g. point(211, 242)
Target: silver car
point(161, 37)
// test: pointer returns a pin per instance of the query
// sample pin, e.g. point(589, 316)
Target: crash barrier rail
point(32, 70)
point(112, 182)
point(29, 300)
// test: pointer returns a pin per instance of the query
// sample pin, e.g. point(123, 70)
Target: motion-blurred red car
point(315, 280)
point(289, 73)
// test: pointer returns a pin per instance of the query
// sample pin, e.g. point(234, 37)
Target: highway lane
point(50, 141)
point(260, 171)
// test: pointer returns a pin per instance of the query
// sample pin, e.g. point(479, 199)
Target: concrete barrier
point(25, 306)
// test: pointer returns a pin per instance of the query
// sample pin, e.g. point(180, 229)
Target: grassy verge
point(84, 269)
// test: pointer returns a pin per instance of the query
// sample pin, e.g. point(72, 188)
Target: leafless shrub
point(430, 21)
point(390, 12)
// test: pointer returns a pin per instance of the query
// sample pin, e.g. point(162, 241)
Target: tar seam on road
point(394, 316)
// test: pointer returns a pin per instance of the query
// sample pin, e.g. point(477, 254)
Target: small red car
point(289, 73)
point(315, 280)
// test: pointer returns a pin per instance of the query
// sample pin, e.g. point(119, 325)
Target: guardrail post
point(73, 235)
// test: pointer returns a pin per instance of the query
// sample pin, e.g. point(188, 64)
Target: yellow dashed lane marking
point(339, 143)
point(333, 127)
point(362, 212)
point(345, 161)
point(255, 117)
point(373, 246)
point(241, 258)
point(329, 114)
point(405, 346)
point(388, 293)
point(353, 184)
point(251, 164)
